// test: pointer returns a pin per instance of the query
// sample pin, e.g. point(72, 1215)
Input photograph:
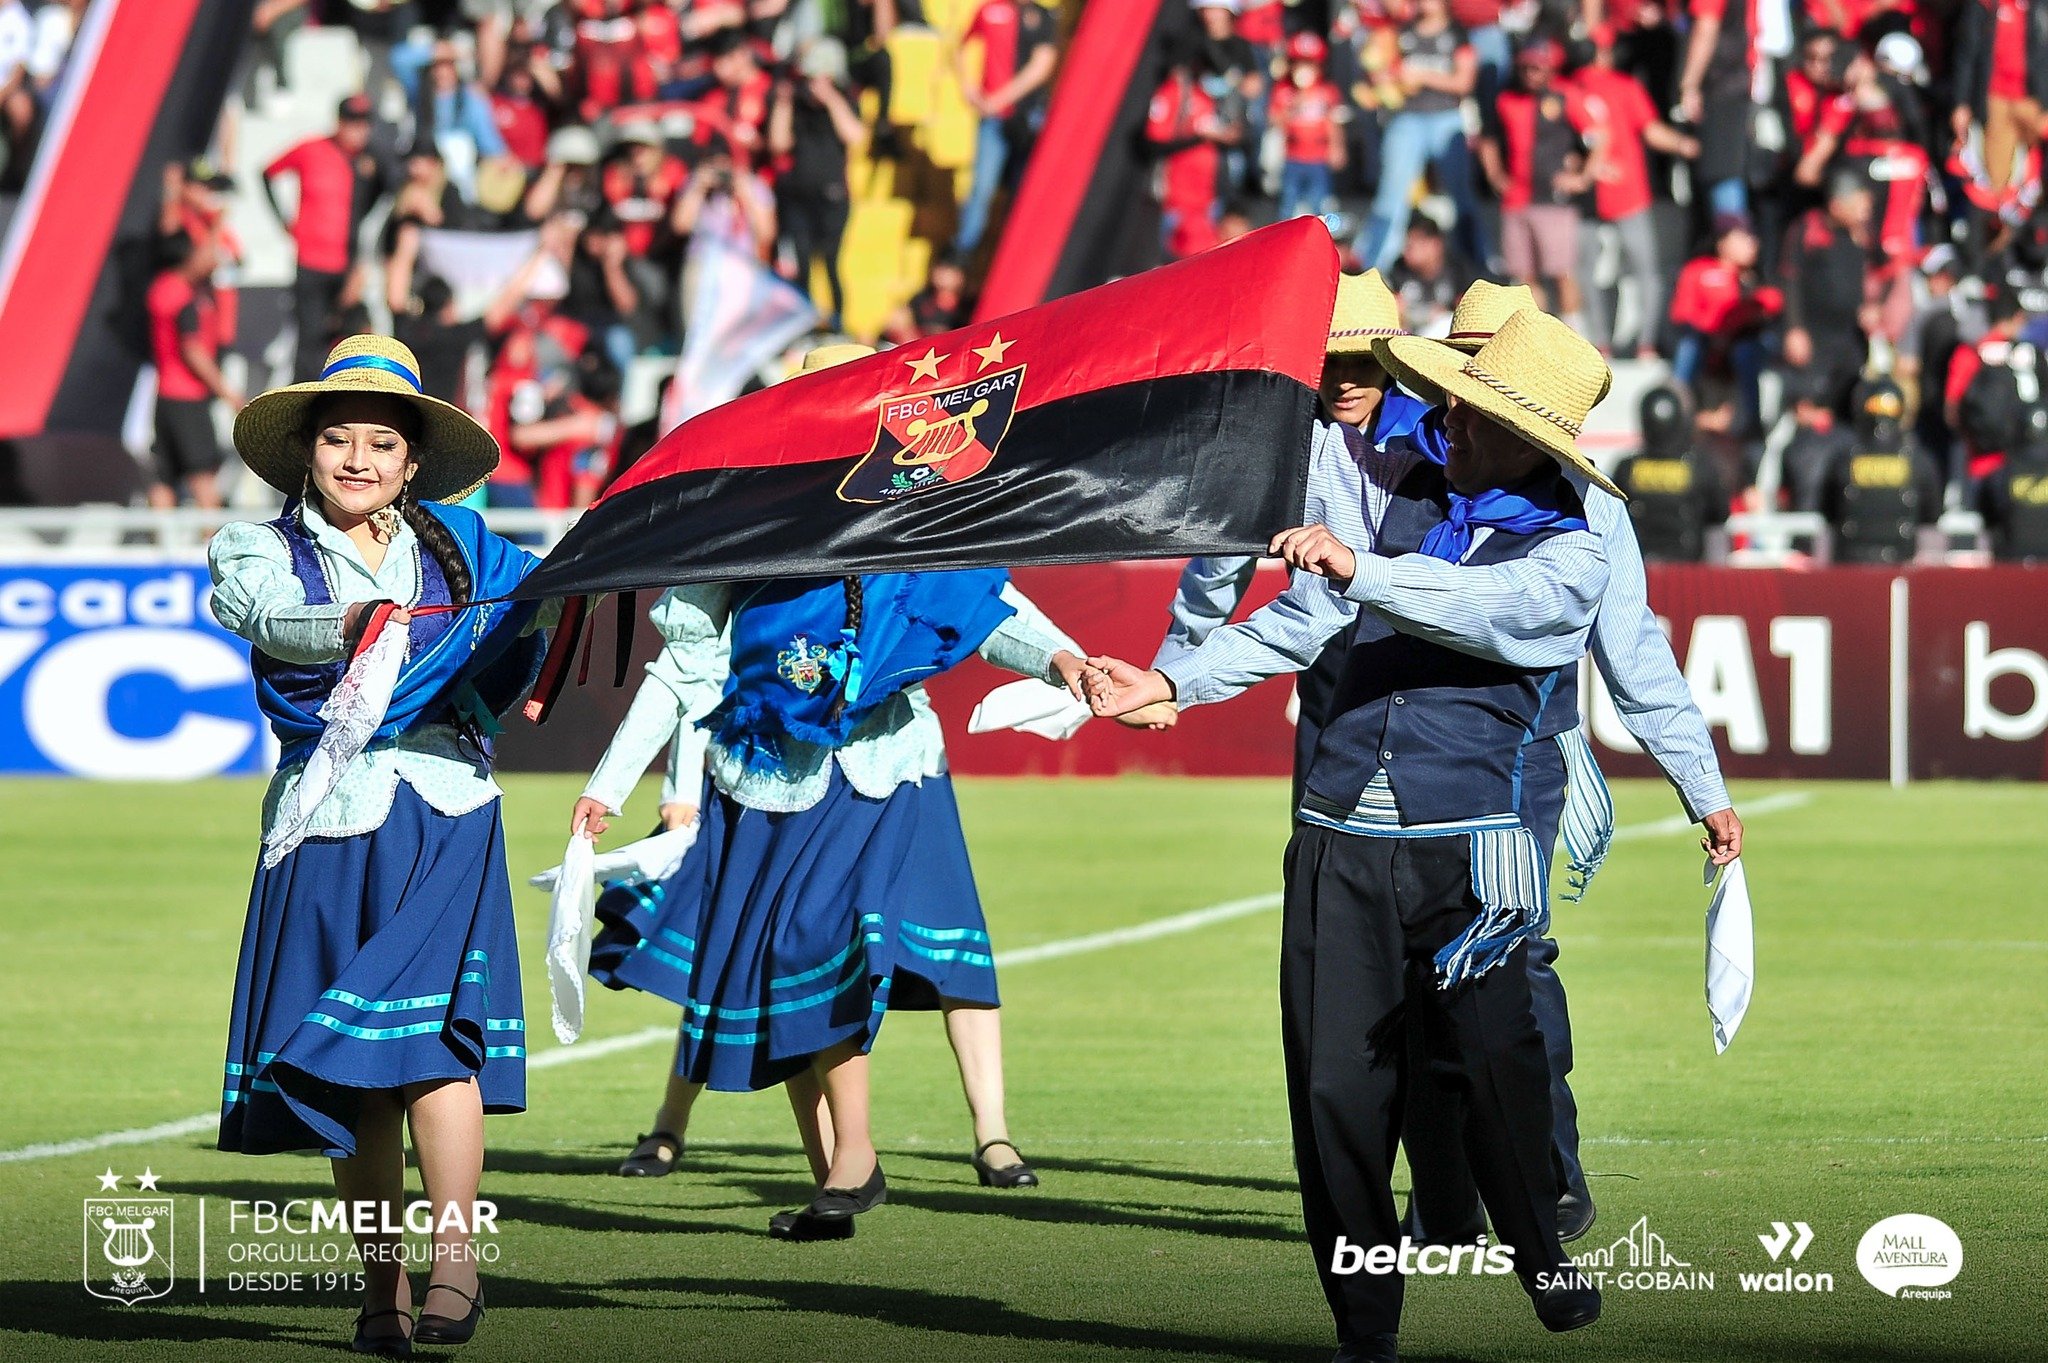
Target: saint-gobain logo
point(1909, 1255)
point(128, 1248)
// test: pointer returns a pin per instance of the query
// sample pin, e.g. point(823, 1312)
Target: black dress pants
point(1364, 917)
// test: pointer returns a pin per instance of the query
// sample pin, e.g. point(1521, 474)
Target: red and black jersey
point(642, 201)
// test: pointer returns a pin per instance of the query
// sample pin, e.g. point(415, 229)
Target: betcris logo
point(121, 673)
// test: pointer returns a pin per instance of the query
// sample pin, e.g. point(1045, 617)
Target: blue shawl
point(801, 671)
point(468, 666)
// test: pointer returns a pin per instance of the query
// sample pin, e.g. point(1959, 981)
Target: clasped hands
point(1143, 698)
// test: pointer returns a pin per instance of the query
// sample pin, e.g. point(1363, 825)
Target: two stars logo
point(926, 367)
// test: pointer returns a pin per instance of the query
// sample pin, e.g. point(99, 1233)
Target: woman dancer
point(829, 880)
point(379, 974)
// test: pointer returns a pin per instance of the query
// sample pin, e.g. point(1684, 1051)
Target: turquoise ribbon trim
point(373, 362)
point(946, 934)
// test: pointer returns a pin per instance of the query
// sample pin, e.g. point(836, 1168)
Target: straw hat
point(1366, 310)
point(1482, 310)
point(454, 453)
point(1537, 377)
point(825, 356)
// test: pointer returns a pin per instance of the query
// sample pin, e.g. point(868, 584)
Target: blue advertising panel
point(119, 672)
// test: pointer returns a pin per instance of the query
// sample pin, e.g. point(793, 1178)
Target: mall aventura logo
point(1911, 1257)
point(1641, 1261)
point(129, 1242)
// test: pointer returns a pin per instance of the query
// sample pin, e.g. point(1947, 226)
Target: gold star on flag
point(928, 367)
point(992, 353)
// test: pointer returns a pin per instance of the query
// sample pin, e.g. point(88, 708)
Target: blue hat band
point(373, 362)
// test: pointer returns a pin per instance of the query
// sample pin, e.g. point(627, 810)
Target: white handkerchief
point(1731, 954)
point(569, 936)
point(1032, 707)
point(654, 858)
point(354, 711)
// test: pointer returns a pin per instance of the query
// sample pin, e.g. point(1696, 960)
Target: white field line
point(1170, 926)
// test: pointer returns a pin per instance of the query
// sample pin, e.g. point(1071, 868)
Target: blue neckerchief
point(1402, 415)
point(799, 671)
point(1517, 511)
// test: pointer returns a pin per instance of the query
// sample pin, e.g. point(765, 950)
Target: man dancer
point(1410, 878)
point(1656, 706)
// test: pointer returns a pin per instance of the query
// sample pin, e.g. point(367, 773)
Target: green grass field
point(1892, 1062)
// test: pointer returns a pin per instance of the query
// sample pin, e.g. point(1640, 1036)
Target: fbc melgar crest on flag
point(129, 1245)
point(937, 438)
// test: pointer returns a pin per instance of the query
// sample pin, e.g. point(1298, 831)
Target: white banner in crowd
point(478, 264)
point(741, 315)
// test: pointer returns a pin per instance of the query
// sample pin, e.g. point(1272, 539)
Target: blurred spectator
point(1624, 123)
point(520, 101)
point(185, 341)
point(1538, 161)
point(1235, 81)
point(1481, 21)
point(425, 199)
point(1018, 56)
point(1879, 494)
point(812, 128)
point(443, 341)
point(738, 104)
point(943, 304)
point(607, 60)
point(1944, 319)
point(642, 185)
point(725, 198)
point(602, 295)
point(1436, 71)
point(1718, 303)
point(1188, 138)
point(450, 112)
point(195, 206)
point(2014, 497)
point(1718, 94)
point(1820, 439)
point(2001, 81)
point(1674, 489)
point(272, 25)
point(570, 181)
point(1992, 384)
point(575, 441)
point(1310, 114)
point(338, 182)
point(1428, 279)
point(1829, 288)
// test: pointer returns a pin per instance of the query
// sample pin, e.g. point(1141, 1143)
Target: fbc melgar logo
point(120, 672)
point(1910, 1257)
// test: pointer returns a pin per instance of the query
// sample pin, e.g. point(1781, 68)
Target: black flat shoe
point(1368, 1349)
point(1018, 1175)
point(1575, 1216)
point(448, 1330)
point(385, 1346)
point(830, 1215)
point(654, 1157)
point(1569, 1305)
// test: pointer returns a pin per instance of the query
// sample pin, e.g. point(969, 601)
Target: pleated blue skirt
point(373, 962)
point(783, 935)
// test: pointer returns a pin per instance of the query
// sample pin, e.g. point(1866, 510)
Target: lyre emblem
point(935, 439)
point(128, 1244)
point(129, 1247)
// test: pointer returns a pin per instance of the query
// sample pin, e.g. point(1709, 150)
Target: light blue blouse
point(900, 742)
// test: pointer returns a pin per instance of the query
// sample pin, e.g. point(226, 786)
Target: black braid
point(854, 603)
point(439, 541)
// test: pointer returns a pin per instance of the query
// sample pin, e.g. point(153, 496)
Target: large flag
point(741, 315)
point(1167, 414)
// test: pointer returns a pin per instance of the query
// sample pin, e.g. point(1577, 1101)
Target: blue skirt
point(373, 962)
point(783, 935)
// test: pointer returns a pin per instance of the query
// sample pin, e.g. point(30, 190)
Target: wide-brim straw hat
point(839, 352)
point(1482, 310)
point(455, 455)
point(1537, 377)
point(1366, 311)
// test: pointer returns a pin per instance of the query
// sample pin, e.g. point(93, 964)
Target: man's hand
point(1798, 348)
point(1115, 687)
point(1159, 716)
point(589, 818)
point(1723, 842)
point(1314, 549)
point(675, 814)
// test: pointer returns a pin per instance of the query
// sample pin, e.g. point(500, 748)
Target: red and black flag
point(1164, 415)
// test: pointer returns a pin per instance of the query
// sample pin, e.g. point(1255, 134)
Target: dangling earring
point(386, 519)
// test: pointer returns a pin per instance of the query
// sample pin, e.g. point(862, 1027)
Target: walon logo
point(1788, 1243)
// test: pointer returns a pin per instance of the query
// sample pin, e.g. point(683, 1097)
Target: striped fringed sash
point(1587, 826)
point(1507, 878)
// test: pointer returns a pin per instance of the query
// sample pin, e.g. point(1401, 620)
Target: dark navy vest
point(1447, 727)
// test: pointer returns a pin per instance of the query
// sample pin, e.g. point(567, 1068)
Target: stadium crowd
point(1824, 216)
